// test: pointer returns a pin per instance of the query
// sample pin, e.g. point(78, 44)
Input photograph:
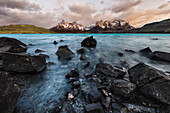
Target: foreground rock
point(9, 94)
point(151, 82)
point(11, 45)
point(163, 56)
point(23, 63)
point(146, 51)
point(94, 108)
point(64, 53)
point(89, 42)
point(104, 69)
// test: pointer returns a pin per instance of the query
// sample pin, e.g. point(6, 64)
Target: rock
point(86, 64)
point(120, 54)
point(87, 75)
point(106, 102)
point(154, 39)
point(9, 94)
point(82, 50)
point(89, 42)
point(146, 51)
point(39, 51)
point(61, 40)
point(72, 79)
point(163, 56)
point(12, 45)
point(23, 63)
point(104, 69)
point(55, 42)
point(70, 96)
point(44, 55)
point(73, 73)
point(153, 83)
point(83, 57)
point(76, 84)
point(122, 88)
point(130, 51)
point(64, 52)
point(95, 95)
point(94, 108)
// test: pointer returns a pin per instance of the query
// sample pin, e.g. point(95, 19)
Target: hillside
point(22, 29)
point(155, 27)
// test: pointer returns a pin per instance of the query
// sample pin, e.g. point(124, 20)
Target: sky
point(48, 13)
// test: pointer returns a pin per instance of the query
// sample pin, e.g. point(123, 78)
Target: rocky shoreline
point(101, 88)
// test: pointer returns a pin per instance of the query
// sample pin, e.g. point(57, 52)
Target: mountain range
point(115, 26)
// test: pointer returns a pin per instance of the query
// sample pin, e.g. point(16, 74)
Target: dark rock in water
point(122, 88)
point(55, 42)
point(146, 51)
point(9, 94)
point(23, 63)
point(87, 75)
point(94, 108)
point(64, 52)
point(86, 64)
point(72, 79)
point(73, 73)
point(106, 102)
point(76, 84)
point(89, 42)
point(83, 57)
point(130, 51)
point(152, 83)
point(12, 45)
point(154, 39)
point(163, 56)
point(82, 50)
point(39, 51)
point(104, 69)
point(120, 54)
point(44, 55)
point(61, 40)
point(95, 95)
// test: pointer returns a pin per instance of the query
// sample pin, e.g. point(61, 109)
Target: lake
point(45, 88)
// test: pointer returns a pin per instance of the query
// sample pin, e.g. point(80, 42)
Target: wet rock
point(120, 54)
point(122, 88)
point(72, 79)
point(94, 108)
point(73, 73)
point(146, 51)
point(106, 102)
point(76, 84)
point(89, 42)
point(87, 75)
point(163, 56)
point(23, 63)
point(9, 94)
point(154, 39)
point(86, 64)
point(70, 96)
point(55, 42)
point(95, 95)
point(119, 108)
point(51, 63)
point(61, 40)
point(153, 83)
point(64, 52)
point(83, 57)
point(39, 51)
point(12, 45)
point(104, 69)
point(44, 55)
point(130, 51)
point(82, 50)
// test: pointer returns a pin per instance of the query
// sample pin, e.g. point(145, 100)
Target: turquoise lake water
point(47, 87)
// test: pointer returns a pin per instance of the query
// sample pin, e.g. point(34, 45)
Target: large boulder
point(9, 93)
point(151, 82)
point(89, 42)
point(23, 63)
point(104, 69)
point(163, 56)
point(64, 53)
point(12, 45)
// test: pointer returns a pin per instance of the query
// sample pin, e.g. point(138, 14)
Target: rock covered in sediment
point(12, 45)
point(152, 83)
point(94, 108)
point(9, 94)
point(163, 56)
point(122, 87)
point(104, 69)
point(23, 63)
point(89, 42)
point(64, 52)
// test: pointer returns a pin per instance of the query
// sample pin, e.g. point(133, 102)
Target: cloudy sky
point(47, 13)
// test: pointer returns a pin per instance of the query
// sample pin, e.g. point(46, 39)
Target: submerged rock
point(151, 82)
point(163, 56)
point(9, 94)
point(55, 42)
point(64, 52)
point(73, 73)
point(94, 108)
point(39, 51)
point(23, 63)
point(104, 69)
point(83, 57)
point(82, 50)
point(130, 51)
point(122, 87)
point(12, 45)
point(89, 42)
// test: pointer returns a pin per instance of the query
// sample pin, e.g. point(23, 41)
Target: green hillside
point(155, 27)
point(22, 29)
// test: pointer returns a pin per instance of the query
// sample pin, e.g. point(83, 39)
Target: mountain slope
point(155, 27)
point(22, 29)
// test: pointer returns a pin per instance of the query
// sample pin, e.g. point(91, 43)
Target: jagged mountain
point(114, 26)
point(66, 26)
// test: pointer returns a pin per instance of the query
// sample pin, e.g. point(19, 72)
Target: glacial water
point(47, 87)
